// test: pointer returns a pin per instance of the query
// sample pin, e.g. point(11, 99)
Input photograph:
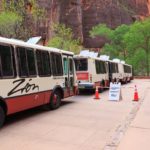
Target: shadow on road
point(86, 92)
point(27, 114)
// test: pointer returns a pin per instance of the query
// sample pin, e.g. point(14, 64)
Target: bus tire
point(55, 100)
point(2, 116)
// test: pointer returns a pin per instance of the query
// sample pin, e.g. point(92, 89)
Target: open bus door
point(69, 75)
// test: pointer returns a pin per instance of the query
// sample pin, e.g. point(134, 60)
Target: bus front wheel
point(2, 116)
point(55, 100)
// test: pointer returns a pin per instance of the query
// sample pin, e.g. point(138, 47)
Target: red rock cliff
point(82, 15)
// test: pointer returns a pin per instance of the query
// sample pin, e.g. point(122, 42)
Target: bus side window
point(59, 65)
point(97, 65)
point(43, 63)
point(57, 68)
point(65, 63)
point(54, 69)
point(22, 61)
point(104, 67)
point(31, 62)
point(125, 68)
point(117, 71)
point(113, 68)
point(6, 61)
point(26, 61)
point(101, 67)
point(46, 64)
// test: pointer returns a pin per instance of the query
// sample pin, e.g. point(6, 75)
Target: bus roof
point(97, 58)
point(128, 65)
point(87, 57)
point(35, 46)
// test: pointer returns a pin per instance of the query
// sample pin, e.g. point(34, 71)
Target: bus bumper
point(86, 86)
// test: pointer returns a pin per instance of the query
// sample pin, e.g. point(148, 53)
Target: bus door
point(110, 71)
point(71, 76)
point(68, 75)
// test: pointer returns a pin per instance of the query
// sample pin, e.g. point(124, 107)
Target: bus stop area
point(83, 123)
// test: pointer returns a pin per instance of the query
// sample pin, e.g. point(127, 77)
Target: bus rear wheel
point(2, 116)
point(55, 100)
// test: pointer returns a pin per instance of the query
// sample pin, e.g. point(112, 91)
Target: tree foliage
point(115, 45)
point(131, 43)
point(20, 7)
point(63, 39)
point(138, 39)
point(17, 15)
point(101, 30)
point(9, 24)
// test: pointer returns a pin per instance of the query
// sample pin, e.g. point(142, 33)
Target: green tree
point(137, 62)
point(20, 7)
point(138, 39)
point(101, 30)
point(9, 23)
point(115, 45)
point(63, 39)
point(17, 9)
point(131, 43)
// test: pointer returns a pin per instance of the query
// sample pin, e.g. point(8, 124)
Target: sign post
point(115, 92)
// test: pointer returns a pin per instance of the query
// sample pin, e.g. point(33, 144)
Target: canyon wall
point(82, 15)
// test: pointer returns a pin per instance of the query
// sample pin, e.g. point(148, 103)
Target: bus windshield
point(81, 64)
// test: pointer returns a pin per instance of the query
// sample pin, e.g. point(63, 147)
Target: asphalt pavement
point(137, 136)
point(81, 123)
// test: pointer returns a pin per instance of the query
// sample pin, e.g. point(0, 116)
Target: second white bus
point(91, 72)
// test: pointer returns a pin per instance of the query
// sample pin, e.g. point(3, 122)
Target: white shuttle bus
point(119, 71)
point(113, 71)
point(91, 72)
point(33, 75)
point(95, 71)
point(128, 73)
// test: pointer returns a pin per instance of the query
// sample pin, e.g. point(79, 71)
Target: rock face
point(82, 15)
point(71, 15)
point(68, 12)
point(110, 12)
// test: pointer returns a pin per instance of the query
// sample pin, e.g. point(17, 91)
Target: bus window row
point(29, 62)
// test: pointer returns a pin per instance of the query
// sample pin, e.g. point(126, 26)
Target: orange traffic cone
point(136, 97)
point(97, 94)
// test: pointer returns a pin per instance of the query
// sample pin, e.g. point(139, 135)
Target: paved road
point(82, 123)
point(137, 136)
